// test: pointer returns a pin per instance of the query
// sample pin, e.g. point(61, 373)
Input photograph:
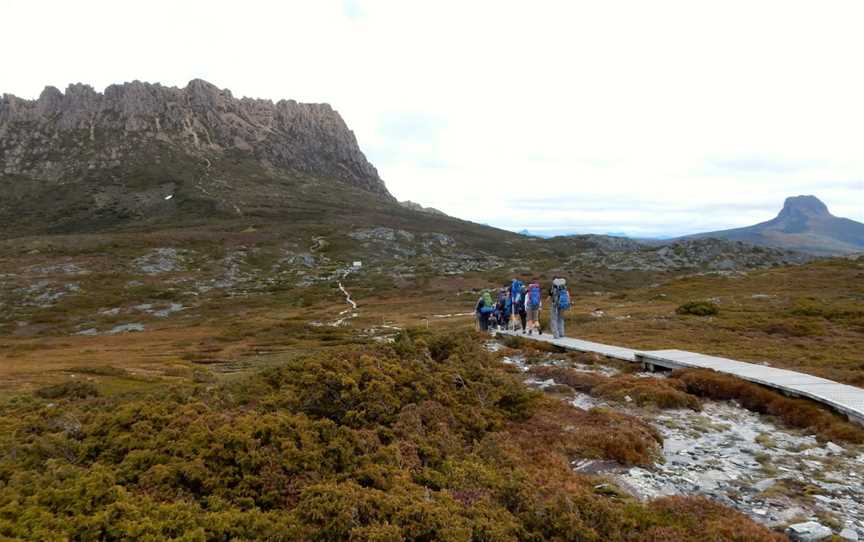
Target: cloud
point(665, 116)
point(759, 165)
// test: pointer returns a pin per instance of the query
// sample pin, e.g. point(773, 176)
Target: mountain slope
point(144, 153)
point(804, 224)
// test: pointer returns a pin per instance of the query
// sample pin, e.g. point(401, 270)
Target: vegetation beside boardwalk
point(428, 439)
point(807, 318)
point(684, 388)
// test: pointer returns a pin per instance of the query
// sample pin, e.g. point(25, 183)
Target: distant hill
point(806, 225)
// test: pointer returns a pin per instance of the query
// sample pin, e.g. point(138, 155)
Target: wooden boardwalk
point(846, 399)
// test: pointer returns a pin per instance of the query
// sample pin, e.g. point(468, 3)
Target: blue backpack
point(516, 288)
point(563, 298)
point(534, 295)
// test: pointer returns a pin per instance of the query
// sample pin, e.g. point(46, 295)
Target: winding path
point(843, 398)
point(351, 312)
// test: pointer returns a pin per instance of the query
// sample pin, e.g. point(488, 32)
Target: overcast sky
point(646, 118)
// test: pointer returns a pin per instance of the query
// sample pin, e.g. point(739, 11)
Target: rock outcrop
point(62, 137)
point(417, 207)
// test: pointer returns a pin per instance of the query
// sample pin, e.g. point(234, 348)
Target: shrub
point(101, 370)
point(799, 413)
point(698, 308)
point(796, 328)
point(512, 341)
point(345, 444)
point(68, 390)
point(662, 393)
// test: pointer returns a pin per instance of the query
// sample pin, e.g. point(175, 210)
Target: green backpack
point(488, 304)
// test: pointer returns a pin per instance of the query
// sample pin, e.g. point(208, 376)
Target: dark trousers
point(483, 319)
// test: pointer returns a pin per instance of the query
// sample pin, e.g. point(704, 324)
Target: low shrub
point(512, 341)
point(816, 308)
point(68, 390)
point(353, 443)
point(796, 328)
point(662, 393)
point(558, 428)
point(714, 521)
point(101, 370)
point(799, 413)
point(698, 308)
point(579, 381)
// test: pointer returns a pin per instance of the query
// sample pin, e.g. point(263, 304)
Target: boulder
point(809, 531)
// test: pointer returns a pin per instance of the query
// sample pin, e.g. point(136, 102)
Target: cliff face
point(64, 137)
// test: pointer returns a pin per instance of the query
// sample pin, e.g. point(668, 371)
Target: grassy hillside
point(808, 318)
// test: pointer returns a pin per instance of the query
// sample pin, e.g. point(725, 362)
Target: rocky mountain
point(804, 224)
point(140, 151)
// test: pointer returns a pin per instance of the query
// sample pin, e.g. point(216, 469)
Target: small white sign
point(358, 264)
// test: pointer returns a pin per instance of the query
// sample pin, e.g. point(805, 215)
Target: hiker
point(517, 299)
point(533, 304)
point(560, 302)
point(517, 303)
point(503, 308)
point(484, 309)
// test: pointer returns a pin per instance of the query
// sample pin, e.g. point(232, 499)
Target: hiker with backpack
point(517, 304)
point(533, 304)
point(519, 307)
point(485, 307)
point(503, 308)
point(560, 303)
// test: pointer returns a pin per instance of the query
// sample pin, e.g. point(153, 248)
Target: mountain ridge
point(139, 151)
point(804, 224)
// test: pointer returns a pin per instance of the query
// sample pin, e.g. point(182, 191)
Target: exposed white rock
point(809, 531)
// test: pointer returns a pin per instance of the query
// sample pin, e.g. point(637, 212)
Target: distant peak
point(808, 205)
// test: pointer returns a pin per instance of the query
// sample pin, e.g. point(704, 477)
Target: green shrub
point(434, 443)
point(698, 308)
point(68, 390)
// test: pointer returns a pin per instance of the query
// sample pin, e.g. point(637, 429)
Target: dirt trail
point(347, 314)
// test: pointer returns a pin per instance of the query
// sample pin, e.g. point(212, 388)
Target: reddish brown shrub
point(579, 381)
point(697, 518)
point(558, 429)
point(799, 413)
point(662, 393)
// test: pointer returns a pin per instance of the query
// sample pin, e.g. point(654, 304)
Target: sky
point(643, 118)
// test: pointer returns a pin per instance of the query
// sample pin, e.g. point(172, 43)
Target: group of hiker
point(517, 306)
